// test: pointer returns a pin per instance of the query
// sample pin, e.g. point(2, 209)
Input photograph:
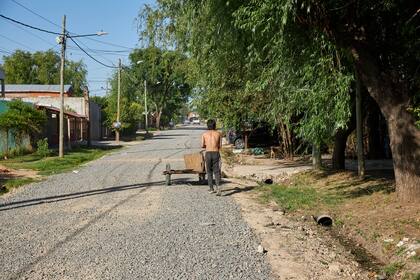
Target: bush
point(42, 147)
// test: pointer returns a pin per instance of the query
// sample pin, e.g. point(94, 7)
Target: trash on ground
point(261, 249)
point(257, 151)
point(237, 151)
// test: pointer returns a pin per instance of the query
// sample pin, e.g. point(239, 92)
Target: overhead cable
point(88, 54)
point(29, 26)
point(35, 13)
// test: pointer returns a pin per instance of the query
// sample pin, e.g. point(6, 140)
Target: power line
point(111, 51)
point(5, 51)
point(33, 34)
point(56, 33)
point(35, 13)
point(16, 42)
point(29, 26)
point(88, 54)
point(94, 51)
point(110, 44)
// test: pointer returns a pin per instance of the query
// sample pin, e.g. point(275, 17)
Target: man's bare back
point(211, 141)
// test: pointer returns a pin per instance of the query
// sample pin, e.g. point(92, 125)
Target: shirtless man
point(211, 140)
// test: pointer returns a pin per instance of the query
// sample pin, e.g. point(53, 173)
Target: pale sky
point(83, 17)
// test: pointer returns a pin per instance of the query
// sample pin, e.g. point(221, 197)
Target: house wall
point(33, 94)
point(95, 117)
point(76, 104)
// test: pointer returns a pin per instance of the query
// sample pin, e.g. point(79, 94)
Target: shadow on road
point(235, 190)
point(63, 197)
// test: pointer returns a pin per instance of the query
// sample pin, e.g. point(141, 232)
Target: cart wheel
point(168, 175)
point(201, 178)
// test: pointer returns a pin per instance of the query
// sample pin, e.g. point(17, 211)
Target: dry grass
point(365, 211)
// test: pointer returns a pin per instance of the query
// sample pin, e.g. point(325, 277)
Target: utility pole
point(87, 113)
point(117, 131)
point(63, 53)
point(145, 107)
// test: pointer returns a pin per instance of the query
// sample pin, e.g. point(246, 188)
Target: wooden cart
point(194, 164)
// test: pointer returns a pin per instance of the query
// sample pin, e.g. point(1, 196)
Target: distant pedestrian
point(211, 140)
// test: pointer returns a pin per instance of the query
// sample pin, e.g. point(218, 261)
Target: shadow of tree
point(75, 195)
point(369, 190)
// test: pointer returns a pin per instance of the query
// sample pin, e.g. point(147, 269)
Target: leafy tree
point(165, 72)
point(130, 115)
point(299, 58)
point(18, 68)
point(22, 119)
point(43, 68)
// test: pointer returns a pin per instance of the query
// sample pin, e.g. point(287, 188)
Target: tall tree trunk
point(285, 140)
point(158, 116)
point(393, 100)
point(340, 139)
point(359, 129)
point(340, 142)
point(316, 157)
point(375, 130)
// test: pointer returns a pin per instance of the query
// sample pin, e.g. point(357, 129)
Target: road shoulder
point(294, 249)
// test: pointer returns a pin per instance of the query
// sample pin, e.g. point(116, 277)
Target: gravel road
point(115, 219)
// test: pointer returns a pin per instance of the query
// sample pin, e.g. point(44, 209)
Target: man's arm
point(203, 142)
point(220, 140)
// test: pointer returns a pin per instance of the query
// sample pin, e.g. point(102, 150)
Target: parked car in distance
point(258, 136)
point(186, 122)
point(195, 121)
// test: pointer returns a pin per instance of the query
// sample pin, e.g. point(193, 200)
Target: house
point(78, 110)
point(24, 91)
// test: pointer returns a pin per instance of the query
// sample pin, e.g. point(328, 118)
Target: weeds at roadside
point(48, 165)
point(411, 276)
point(16, 182)
point(391, 269)
point(54, 165)
point(365, 211)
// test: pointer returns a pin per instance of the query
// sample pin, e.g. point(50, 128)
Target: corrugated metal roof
point(35, 88)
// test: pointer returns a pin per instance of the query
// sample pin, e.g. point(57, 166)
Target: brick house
point(78, 110)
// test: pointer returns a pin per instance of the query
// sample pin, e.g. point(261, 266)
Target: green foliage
point(22, 67)
point(14, 183)
point(42, 147)
point(54, 165)
point(249, 62)
point(291, 198)
point(391, 269)
point(22, 118)
point(167, 90)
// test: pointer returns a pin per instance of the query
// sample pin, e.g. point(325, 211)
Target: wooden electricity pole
point(117, 131)
point(61, 127)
